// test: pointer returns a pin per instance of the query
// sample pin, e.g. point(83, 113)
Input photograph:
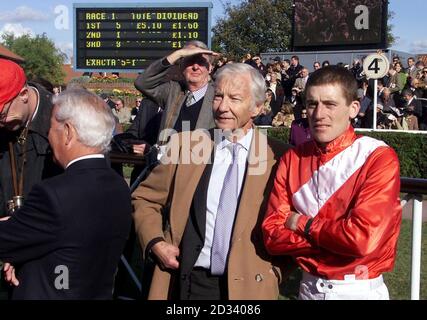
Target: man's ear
point(354, 109)
point(24, 94)
point(69, 132)
point(255, 112)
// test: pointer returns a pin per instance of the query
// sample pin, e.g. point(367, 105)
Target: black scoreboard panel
point(339, 24)
point(130, 38)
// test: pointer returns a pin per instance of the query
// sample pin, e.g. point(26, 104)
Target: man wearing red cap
point(25, 154)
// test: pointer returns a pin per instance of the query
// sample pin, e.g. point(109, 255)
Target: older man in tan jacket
point(216, 184)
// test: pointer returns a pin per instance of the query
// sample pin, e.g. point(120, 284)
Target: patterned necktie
point(190, 99)
point(225, 216)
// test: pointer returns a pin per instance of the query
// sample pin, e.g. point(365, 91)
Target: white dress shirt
point(199, 94)
point(222, 160)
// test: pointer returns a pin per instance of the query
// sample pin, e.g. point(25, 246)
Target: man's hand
point(139, 148)
point(9, 274)
point(187, 52)
point(167, 254)
point(5, 218)
point(292, 221)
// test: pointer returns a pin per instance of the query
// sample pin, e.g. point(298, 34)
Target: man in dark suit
point(66, 240)
point(146, 125)
point(184, 102)
point(212, 246)
point(413, 106)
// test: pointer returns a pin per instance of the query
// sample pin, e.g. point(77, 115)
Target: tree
point(254, 26)
point(42, 59)
point(391, 38)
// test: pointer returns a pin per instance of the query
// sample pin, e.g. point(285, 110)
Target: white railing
point(415, 189)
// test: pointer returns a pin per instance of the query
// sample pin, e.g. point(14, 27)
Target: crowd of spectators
point(402, 93)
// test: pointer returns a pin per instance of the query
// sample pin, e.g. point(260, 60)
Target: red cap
point(12, 79)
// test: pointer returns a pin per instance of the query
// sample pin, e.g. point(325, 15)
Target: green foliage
point(42, 59)
point(281, 134)
point(391, 39)
point(254, 26)
point(410, 148)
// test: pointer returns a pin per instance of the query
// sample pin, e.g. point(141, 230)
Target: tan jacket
point(252, 274)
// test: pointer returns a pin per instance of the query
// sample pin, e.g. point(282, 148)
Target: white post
point(417, 218)
point(375, 103)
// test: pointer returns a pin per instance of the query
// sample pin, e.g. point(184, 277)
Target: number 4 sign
point(376, 66)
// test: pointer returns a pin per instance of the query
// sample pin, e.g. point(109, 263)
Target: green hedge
point(411, 149)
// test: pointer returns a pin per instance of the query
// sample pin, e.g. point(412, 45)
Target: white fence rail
point(415, 189)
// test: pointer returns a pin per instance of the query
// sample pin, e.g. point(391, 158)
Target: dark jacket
point(67, 239)
point(146, 124)
point(39, 159)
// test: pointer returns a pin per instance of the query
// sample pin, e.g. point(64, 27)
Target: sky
point(37, 17)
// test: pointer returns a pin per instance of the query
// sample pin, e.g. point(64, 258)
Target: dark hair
point(400, 64)
point(325, 63)
point(295, 57)
point(335, 75)
point(407, 92)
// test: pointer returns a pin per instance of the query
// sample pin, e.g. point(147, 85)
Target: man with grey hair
point(66, 240)
point(216, 188)
point(186, 103)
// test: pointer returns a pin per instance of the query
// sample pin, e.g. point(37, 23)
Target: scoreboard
point(340, 24)
point(128, 37)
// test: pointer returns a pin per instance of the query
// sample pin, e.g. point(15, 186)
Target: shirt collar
point(245, 141)
point(199, 94)
point(89, 156)
point(340, 143)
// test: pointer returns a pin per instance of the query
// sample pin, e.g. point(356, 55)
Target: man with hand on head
point(335, 203)
point(186, 104)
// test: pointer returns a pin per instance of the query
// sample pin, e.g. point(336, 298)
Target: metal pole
point(417, 218)
point(375, 103)
point(131, 273)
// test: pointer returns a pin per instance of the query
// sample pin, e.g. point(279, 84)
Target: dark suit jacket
point(146, 124)
point(78, 220)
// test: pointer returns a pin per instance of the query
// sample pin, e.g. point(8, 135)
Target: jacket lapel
point(200, 200)
point(171, 115)
point(205, 119)
point(187, 179)
point(257, 173)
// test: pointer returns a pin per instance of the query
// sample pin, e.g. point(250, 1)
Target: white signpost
point(375, 67)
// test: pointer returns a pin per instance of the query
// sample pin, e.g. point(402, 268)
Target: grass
point(398, 281)
point(127, 170)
